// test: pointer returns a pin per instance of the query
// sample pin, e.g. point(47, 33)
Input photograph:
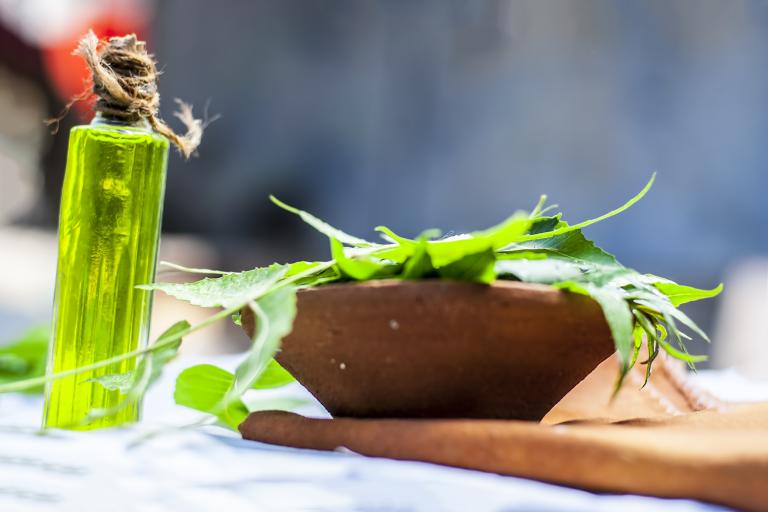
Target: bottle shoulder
point(118, 133)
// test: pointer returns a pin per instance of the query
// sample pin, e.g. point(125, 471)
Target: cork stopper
point(124, 82)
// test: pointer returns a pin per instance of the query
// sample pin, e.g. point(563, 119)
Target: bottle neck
point(105, 119)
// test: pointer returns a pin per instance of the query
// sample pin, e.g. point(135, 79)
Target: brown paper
point(668, 439)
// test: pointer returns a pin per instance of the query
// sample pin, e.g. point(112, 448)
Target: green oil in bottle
point(109, 227)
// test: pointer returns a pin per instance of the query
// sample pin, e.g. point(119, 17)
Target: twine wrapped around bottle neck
point(124, 78)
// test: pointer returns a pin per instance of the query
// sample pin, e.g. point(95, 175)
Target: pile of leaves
point(533, 247)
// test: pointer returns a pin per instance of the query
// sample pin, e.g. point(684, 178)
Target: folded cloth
point(667, 439)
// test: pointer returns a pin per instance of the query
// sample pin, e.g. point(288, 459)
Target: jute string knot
point(124, 81)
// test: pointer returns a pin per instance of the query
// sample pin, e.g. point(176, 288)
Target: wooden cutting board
point(668, 439)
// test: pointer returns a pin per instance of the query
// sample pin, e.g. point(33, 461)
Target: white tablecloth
point(210, 469)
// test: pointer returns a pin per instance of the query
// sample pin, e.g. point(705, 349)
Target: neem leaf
point(617, 315)
point(274, 320)
point(218, 392)
point(115, 381)
point(419, 265)
point(637, 335)
point(189, 270)
point(619, 318)
point(580, 225)
point(13, 364)
point(391, 236)
point(300, 267)
point(204, 387)
point(25, 358)
point(359, 269)
point(571, 245)
point(683, 356)
point(478, 268)
point(321, 226)
point(671, 314)
point(449, 250)
point(134, 384)
point(227, 291)
point(680, 294)
point(274, 376)
point(506, 232)
point(542, 271)
point(150, 366)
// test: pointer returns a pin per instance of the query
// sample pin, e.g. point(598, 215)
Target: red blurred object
point(67, 73)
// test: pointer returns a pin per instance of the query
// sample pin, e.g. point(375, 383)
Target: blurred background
point(415, 114)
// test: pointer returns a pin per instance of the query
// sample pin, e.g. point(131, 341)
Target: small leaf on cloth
point(218, 392)
point(25, 357)
point(204, 387)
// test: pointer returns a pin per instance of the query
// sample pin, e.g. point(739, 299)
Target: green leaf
point(25, 357)
point(671, 314)
point(189, 270)
point(204, 387)
point(164, 354)
point(478, 268)
point(522, 255)
point(637, 335)
point(218, 392)
point(274, 320)
point(150, 366)
point(617, 315)
point(572, 245)
point(135, 384)
point(230, 290)
point(680, 294)
point(449, 250)
point(259, 403)
point(13, 364)
point(391, 236)
point(419, 265)
point(274, 376)
point(580, 225)
point(321, 226)
point(619, 318)
point(546, 271)
point(301, 267)
point(115, 381)
point(360, 269)
point(683, 356)
point(653, 351)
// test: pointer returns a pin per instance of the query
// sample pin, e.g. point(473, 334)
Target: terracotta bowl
point(442, 349)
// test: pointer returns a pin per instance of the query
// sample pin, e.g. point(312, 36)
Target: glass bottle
point(109, 228)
